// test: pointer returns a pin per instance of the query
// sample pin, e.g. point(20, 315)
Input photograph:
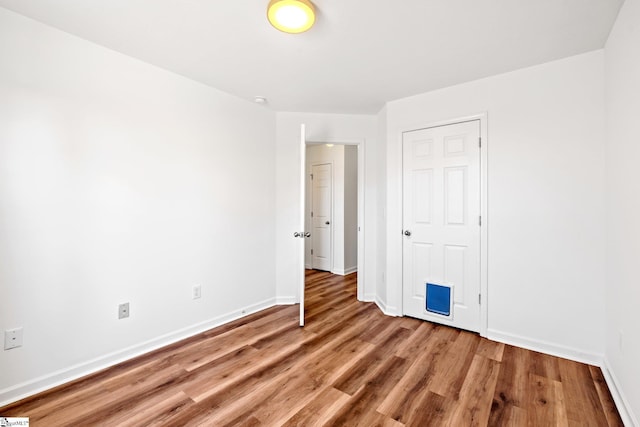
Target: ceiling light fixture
point(291, 16)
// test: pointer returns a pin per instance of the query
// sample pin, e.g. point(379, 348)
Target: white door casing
point(301, 230)
point(441, 212)
point(321, 209)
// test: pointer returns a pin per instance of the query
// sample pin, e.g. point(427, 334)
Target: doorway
point(331, 208)
point(333, 205)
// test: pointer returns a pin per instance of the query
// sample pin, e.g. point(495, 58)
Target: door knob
point(297, 234)
point(326, 222)
point(407, 233)
point(307, 234)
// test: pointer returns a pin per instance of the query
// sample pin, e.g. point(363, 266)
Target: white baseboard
point(351, 270)
point(286, 300)
point(45, 382)
point(546, 347)
point(387, 310)
point(369, 298)
point(624, 408)
point(345, 271)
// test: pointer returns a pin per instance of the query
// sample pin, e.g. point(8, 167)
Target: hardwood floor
point(350, 365)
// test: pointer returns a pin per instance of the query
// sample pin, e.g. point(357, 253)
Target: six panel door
point(441, 229)
point(321, 207)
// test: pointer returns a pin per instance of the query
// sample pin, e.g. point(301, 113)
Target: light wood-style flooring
point(350, 365)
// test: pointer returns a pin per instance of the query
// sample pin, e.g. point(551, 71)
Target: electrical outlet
point(123, 310)
point(197, 291)
point(12, 338)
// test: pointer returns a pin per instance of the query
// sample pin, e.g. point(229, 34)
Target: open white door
point(302, 233)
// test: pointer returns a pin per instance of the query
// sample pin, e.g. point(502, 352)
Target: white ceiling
point(359, 55)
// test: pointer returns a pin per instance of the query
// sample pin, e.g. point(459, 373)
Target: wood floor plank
point(362, 371)
point(79, 405)
point(432, 410)
point(414, 345)
point(453, 367)
point(474, 404)
point(271, 361)
point(583, 406)
point(406, 397)
point(255, 319)
point(292, 392)
point(337, 317)
point(610, 410)
point(334, 363)
point(350, 365)
point(360, 409)
point(547, 404)
point(544, 365)
point(319, 410)
point(512, 388)
point(210, 349)
point(156, 410)
point(490, 349)
point(512, 416)
point(220, 372)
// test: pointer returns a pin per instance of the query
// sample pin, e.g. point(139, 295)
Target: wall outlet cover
point(197, 291)
point(123, 310)
point(12, 338)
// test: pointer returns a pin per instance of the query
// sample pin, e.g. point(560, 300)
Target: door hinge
point(479, 298)
point(480, 220)
point(311, 251)
point(311, 177)
point(311, 214)
point(479, 142)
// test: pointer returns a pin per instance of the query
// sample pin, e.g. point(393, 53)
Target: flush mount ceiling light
point(291, 16)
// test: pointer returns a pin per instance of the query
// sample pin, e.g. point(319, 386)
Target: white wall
point(350, 208)
point(121, 182)
point(622, 60)
point(545, 201)
point(320, 128)
point(381, 256)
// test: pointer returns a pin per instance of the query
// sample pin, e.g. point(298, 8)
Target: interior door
point(321, 208)
point(302, 234)
point(441, 224)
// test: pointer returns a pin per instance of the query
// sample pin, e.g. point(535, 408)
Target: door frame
point(359, 142)
point(484, 157)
